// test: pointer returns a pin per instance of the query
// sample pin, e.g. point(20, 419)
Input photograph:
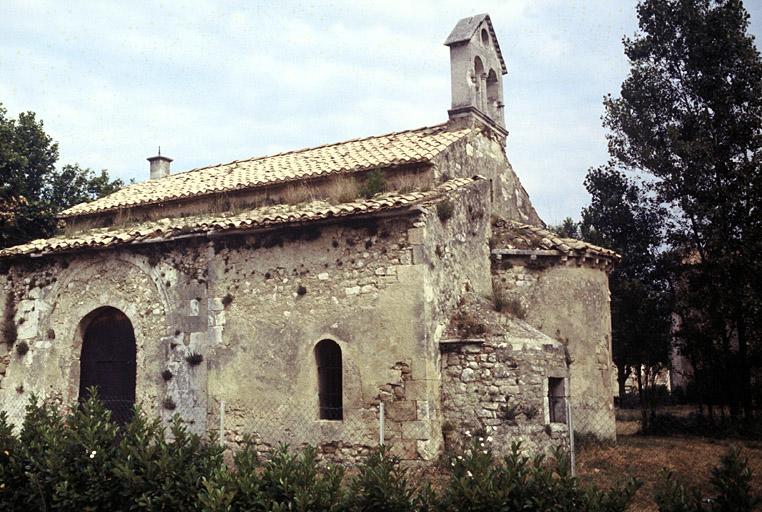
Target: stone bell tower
point(477, 68)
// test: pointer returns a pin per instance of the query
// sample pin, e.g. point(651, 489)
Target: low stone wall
point(499, 388)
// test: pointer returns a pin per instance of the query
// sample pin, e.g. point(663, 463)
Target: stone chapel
point(303, 289)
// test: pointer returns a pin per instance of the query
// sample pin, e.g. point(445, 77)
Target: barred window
point(557, 400)
point(329, 371)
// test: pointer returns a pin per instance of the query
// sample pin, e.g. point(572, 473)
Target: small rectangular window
point(557, 400)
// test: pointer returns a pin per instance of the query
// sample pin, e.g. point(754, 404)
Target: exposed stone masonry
point(498, 387)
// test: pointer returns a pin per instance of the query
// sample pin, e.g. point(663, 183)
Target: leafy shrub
point(194, 359)
point(445, 209)
point(374, 183)
point(672, 495)
point(731, 481)
point(480, 482)
point(466, 324)
point(731, 485)
point(507, 304)
point(22, 347)
point(381, 485)
point(84, 461)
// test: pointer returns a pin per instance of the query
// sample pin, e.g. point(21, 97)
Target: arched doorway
point(108, 361)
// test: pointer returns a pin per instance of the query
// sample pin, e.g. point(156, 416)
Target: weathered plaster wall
point(572, 304)
point(254, 307)
point(449, 245)
point(485, 155)
point(51, 299)
point(353, 283)
point(500, 389)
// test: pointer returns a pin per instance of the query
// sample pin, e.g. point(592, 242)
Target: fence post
point(222, 422)
point(570, 425)
point(381, 424)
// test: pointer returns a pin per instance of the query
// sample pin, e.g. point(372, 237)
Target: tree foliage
point(688, 121)
point(623, 218)
point(32, 189)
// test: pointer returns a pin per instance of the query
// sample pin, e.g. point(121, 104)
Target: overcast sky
point(217, 81)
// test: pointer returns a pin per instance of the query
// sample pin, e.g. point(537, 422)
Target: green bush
point(672, 495)
point(481, 483)
point(731, 486)
point(83, 461)
point(380, 485)
point(374, 183)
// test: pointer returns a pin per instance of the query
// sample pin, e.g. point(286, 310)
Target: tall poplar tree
point(689, 118)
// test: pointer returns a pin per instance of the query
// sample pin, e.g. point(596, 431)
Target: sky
point(212, 82)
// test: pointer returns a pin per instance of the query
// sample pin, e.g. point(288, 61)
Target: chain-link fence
point(330, 429)
point(347, 433)
point(14, 408)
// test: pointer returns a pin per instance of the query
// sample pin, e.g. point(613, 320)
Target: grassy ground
point(643, 456)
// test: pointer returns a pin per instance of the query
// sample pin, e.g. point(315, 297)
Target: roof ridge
point(255, 218)
point(309, 148)
point(354, 155)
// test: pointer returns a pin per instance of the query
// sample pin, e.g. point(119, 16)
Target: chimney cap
point(159, 157)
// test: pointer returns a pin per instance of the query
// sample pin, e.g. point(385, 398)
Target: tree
point(689, 118)
point(567, 229)
point(32, 190)
point(622, 218)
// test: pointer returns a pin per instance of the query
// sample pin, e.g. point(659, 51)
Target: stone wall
point(499, 388)
point(483, 153)
point(253, 307)
point(570, 303)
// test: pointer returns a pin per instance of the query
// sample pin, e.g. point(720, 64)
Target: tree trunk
point(744, 374)
point(623, 371)
point(642, 400)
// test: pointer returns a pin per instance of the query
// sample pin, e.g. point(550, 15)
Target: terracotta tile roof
point(168, 228)
point(415, 146)
point(510, 234)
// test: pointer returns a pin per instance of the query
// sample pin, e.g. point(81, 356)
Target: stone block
point(419, 255)
point(468, 375)
point(405, 449)
point(423, 409)
point(197, 341)
point(416, 236)
point(193, 307)
point(215, 304)
point(418, 389)
point(215, 335)
point(416, 430)
point(403, 410)
point(427, 449)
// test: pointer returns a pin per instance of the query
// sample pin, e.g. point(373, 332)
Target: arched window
point(329, 371)
point(108, 361)
point(478, 78)
point(478, 68)
point(493, 92)
point(485, 37)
